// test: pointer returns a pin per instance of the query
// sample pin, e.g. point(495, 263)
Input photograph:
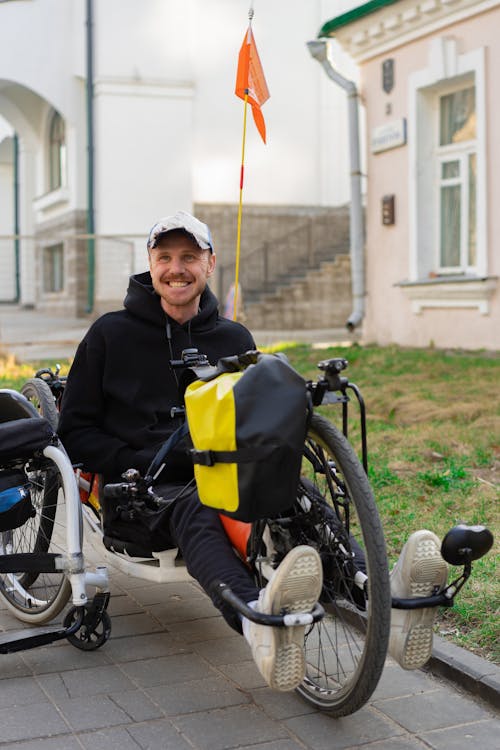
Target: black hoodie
point(121, 389)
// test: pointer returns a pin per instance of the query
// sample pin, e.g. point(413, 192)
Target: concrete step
point(294, 274)
point(321, 298)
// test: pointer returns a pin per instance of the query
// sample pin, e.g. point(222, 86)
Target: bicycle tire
point(38, 392)
point(37, 598)
point(336, 513)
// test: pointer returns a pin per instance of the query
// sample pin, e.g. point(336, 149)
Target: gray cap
point(182, 220)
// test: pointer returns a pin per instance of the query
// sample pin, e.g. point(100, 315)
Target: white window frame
point(57, 153)
point(454, 152)
point(447, 71)
point(53, 269)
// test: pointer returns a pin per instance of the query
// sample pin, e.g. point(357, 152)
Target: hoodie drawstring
point(168, 329)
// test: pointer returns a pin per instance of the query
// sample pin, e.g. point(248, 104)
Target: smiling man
point(121, 403)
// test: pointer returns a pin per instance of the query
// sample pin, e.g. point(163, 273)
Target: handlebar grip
point(122, 489)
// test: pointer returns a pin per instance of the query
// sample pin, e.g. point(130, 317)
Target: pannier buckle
point(203, 458)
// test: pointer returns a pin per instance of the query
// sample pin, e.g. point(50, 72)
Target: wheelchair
point(42, 565)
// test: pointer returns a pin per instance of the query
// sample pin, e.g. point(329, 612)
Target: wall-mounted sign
point(388, 75)
point(390, 135)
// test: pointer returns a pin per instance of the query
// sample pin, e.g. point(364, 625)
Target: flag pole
point(242, 174)
point(240, 209)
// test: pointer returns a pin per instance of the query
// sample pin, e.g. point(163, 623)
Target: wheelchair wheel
point(38, 392)
point(38, 597)
point(336, 513)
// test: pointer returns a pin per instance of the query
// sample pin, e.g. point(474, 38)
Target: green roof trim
point(355, 14)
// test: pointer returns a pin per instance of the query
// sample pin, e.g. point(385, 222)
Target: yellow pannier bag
point(248, 430)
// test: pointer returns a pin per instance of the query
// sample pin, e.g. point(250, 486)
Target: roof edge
point(350, 16)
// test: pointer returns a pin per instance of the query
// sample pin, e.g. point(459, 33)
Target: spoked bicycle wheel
point(336, 513)
point(31, 596)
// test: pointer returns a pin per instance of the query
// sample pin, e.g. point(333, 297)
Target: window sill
point(451, 291)
point(51, 200)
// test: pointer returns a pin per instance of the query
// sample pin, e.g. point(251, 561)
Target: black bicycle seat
point(463, 543)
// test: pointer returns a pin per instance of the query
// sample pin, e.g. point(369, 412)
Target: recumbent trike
point(41, 564)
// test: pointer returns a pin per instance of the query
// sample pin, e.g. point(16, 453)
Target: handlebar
point(52, 375)
point(134, 486)
point(223, 591)
point(190, 358)
point(121, 490)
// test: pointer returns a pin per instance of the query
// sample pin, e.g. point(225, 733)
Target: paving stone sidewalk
point(174, 676)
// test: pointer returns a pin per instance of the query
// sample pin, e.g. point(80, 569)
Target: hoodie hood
point(143, 302)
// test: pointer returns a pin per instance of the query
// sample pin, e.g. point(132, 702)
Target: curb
point(473, 673)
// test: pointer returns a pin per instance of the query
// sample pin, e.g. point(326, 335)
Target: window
point(447, 186)
point(57, 152)
point(448, 157)
point(53, 268)
point(456, 165)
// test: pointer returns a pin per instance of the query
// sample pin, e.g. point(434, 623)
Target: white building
point(167, 131)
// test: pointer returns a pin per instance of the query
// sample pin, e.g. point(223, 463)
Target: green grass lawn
point(434, 456)
point(434, 459)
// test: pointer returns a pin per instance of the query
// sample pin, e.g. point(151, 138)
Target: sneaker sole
point(298, 582)
point(288, 669)
point(428, 567)
point(417, 648)
point(416, 635)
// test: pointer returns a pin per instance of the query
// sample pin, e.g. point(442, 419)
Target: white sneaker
point(418, 571)
point(295, 586)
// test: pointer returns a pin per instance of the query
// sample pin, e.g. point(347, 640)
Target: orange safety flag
point(250, 80)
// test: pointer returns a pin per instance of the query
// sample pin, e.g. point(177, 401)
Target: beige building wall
point(407, 302)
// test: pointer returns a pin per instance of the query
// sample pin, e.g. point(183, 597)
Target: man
point(117, 412)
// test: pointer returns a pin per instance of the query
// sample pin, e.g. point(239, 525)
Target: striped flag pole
point(251, 86)
point(240, 209)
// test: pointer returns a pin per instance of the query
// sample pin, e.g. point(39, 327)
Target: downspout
point(90, 161)
point(15, 159)
point(319, 50)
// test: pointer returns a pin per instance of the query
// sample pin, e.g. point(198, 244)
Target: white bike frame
point(161, 568)
point(72, 563)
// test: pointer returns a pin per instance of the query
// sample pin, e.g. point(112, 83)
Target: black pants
point(209, 556)
point(206, 549)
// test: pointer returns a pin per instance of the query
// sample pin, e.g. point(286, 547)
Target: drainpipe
point(15, 159)
point(90, 162)
point(319, 50)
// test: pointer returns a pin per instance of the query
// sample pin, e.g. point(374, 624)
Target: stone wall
point(72, 299)
point(276, 241)
point(294, 263)
point(259, 223)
